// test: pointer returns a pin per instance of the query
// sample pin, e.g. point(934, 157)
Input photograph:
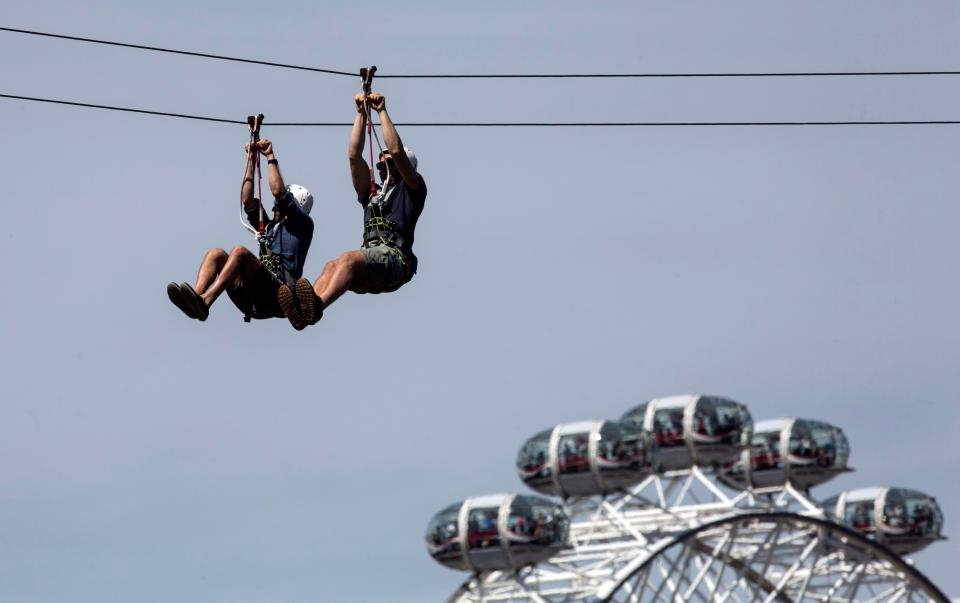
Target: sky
point(565, 274)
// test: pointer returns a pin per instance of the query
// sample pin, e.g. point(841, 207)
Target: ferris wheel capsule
point(693, 429)
point(497, 532)
point(585, 458)
point(903, 520)
point(801, 452)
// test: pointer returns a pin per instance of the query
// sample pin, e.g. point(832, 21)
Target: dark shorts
point(385, 269)
point(256, 296)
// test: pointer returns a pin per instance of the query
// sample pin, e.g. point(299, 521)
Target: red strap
point(373, 183)
point(254, 122)
point(366, 82)
point(263, 226)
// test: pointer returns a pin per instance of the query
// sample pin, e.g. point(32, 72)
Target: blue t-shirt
point(289, 235)
point(402, 206)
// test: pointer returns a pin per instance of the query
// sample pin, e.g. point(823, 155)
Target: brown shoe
point(300, 306)
point(310, 307)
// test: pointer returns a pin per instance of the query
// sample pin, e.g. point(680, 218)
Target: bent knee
point(240, 250)
point(352, 258)
point(217, 253)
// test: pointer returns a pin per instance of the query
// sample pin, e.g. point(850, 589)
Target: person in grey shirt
point(385, 261)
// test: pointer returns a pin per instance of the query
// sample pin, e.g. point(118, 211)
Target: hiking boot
point(301, 306)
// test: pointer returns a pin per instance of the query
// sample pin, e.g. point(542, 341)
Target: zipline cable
point(126, 109)
point(172, 51)
point(660, 75)
point(482, 75)
point(505, 124)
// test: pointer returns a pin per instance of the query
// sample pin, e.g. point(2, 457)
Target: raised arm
point(393, 142)
point(359, 170)
point(246, 187)
point(277, 186)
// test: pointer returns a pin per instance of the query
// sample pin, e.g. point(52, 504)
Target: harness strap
point(268, 260)
point(254, 122)
point(256, 138)
point(366, 82)
point(381, 232)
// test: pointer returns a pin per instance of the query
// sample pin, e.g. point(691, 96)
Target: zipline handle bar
point(366, 78)
point(254, 122)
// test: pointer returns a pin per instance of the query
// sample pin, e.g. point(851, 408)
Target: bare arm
point(246, 188)
point(359, 170)
point(393, 142)
point(275, 179)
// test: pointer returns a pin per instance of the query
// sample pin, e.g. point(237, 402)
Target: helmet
point(302, 196)
point(410, 155)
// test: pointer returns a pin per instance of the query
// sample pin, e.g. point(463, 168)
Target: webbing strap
point(382, 230)
point(263, 215)
point(270, 261)
point(373, 183)
point(366, 83)
point(254, 122)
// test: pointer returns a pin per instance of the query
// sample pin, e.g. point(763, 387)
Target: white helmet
point(302, 196)
point(410, 155)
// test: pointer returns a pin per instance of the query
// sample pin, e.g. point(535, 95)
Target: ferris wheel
point(685, 499)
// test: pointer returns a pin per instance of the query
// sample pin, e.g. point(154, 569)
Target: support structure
point(682, 536)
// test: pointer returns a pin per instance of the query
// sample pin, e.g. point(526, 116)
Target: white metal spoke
point(703, 572)
point(793, 568)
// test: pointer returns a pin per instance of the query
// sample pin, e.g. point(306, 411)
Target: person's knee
point(217, 254)
point(351, 258)
point(331, 266)
point(240, 251)
point(351, 262)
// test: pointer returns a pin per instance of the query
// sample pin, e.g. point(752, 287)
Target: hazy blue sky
point(564, 275)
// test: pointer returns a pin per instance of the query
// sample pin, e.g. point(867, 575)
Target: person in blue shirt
point(253, 282)
point(385, 261)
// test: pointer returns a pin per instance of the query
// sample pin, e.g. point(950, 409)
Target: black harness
point(378, 230)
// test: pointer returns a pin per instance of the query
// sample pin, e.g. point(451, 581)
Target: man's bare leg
point(209, 269)
point(338, 275)
point(324, 279)
point(240, 264)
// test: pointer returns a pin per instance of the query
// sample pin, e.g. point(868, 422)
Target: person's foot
point(301, 306)
point(200, 309)
point(179, 300)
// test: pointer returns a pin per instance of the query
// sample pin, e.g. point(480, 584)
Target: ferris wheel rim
point(858, 539)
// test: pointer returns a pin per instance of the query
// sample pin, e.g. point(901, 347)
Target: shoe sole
point(285, 299)
point(200, 309)
point(176, 297)
point(306, 297)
